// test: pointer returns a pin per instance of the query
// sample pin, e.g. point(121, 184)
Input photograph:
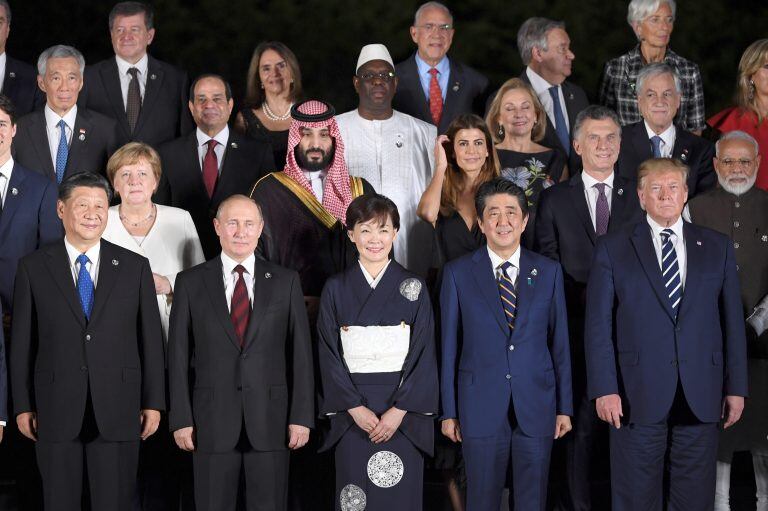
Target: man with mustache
point(738, 209)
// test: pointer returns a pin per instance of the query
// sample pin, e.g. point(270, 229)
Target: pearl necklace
point(136, 224)
point(274, 117)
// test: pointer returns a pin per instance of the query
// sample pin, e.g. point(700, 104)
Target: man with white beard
point(740, 210)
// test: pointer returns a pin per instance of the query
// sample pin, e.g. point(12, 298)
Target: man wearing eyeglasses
point(739, 209)
point(433, 87)
point(658, 91)
point(391, 150)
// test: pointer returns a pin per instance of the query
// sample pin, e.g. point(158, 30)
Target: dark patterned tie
point(133, 103)
point(210, 168)
point(670, 270)
point(240, 307)
point(602, 212)
point(507, 294)
point(561, 128)
point(435, 98)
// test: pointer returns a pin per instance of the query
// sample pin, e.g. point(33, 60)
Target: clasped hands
point(379, 429)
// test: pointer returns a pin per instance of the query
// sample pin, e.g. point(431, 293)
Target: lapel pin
point(399, 142)
point(82, 135)
point(456, 87)
point(570, 96)
point(12, 75)
point(764, 238)
point(534, 272)
point(684, 156)
point(15, 191)
point(115, 262)
point(233, 145)
point(153, 76)
point(620, 191)
point(698, 242)
point(267, 275)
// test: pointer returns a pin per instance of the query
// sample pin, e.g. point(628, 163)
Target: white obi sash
point(375, 349)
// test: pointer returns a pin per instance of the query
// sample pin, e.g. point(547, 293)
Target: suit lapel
point(61, 272)
point(641, 239)
point(618, 200)
point(525, 290)
point(109, 269)
point(486, 282)
point(693, 264)
point(263, 293)
point(12, 200)
point(455, 90)
point(110, 78)
point(9, 83)
point(228, 175)
point(580, 206)
point(413, 82)
point(81, 133)
point(152, 90)
point(39, 136)
point(570, 105)
point(214, 282)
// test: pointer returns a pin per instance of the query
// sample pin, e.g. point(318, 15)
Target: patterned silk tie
point(210, 168)
point(656, 145)
point(435, 98)
point(602, 212)
point(62, 153)
point(133, 102)
point(240, 307)
point(670, 270)
point(507, 294)
point(85, 286)
point(561, 128)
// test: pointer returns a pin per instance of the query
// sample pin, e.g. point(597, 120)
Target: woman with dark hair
point(273, 86)
point(378, 368)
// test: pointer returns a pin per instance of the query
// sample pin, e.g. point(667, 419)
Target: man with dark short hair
point(146, 97)
point(18, 80)
point(87, 364)
point(506, 366)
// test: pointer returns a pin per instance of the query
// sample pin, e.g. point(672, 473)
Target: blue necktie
point(560, 126)
point(62, 152)
point(85, 286)
point(656, 144)
point(670, 270)
point(507, 294)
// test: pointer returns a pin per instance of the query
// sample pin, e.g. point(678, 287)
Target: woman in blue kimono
point(378, 369)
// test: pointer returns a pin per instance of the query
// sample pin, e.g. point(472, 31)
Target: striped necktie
point(240, 305)
point(670, 270)
point(507, 294)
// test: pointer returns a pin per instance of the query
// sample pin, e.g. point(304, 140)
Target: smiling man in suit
point(87, 361)
point(205, 167)
point(146, 97)
point(431, 86)
point(17, 79)
point(240, 368)
point(656, 136)
point(62, 139)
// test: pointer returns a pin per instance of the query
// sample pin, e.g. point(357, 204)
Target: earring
point(501, 131)
point(751, 90)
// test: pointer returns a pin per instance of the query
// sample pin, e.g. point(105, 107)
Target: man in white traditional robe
point(392, 151)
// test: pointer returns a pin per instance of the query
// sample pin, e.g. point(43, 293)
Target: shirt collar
point(123, 65)
point(443, 67)
point(497, 261)
point(539, 84)
point(373, 282)
point(668, 135)
point(52, 118)
point(228, 264)
point(92, 253)
point(221, 137)
point(656, 228)
point(590, 181)
point(6, 169)
point(3, 59)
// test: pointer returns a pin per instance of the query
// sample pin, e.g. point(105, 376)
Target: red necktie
point(240, 307)
point(210, 168)
point(435, 98)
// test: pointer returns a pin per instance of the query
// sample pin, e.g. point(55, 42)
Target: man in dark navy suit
point(506, 365)
point(18, 79)
point(665, 346)
point(431, 86)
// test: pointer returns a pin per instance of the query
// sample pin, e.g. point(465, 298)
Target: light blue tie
point(62, 152)
point(670, 270)
point(656, 144)
point(560, 127)
point(85, 286)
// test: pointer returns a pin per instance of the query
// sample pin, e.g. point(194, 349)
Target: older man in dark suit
point(87, 364)
point(240, 368)
point(431, 86)
point(17, 79)
point(656, 136)
point(146, 97)
point(203, 168)
point(62, 138)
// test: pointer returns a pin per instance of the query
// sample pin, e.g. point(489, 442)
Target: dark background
point(326, 35)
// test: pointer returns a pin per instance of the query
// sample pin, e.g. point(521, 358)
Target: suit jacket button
point(509, 376)
point(243, 356)
point(83, 368)
point(88, 337)
point(511, 347)
point(673, 362)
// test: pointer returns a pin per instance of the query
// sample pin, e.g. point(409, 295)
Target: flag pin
point(267, 275)
point(115, 262)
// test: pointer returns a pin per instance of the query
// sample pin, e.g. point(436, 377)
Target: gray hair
point(657, 69)
point(7, 6)
point(431, 5)
point(640, 9)
point(59, 51)
point(533, 34)
point(595, 113)
point(736, 135)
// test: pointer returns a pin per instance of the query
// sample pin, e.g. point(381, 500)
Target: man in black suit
point(545, 49)
point(571, 216)
point(146, 97)
point(656, 136)
point(87, 365)
point(17, 79)
point(431, 86)
point(205, 167)
point(62, 139)
point(240, 368)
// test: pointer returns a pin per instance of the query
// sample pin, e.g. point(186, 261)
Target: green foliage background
point(326, 35)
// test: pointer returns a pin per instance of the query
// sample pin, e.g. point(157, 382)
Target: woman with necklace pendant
point(274, 85)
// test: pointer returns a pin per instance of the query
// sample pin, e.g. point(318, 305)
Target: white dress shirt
point(373, 282)
point(591, 194)
point(667, 139)
point(497, 261)
point(541, 87)
point(316, 181)
point(230, 276)
point(92, 254)
point(3, 62)
point(6, 169)
point(52, 129)
point(678, 243)
point(125, 79)
point(221, 137)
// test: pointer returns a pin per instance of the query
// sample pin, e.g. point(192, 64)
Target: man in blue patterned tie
point(665, 347)
point(506, 365)
point(87, 364)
